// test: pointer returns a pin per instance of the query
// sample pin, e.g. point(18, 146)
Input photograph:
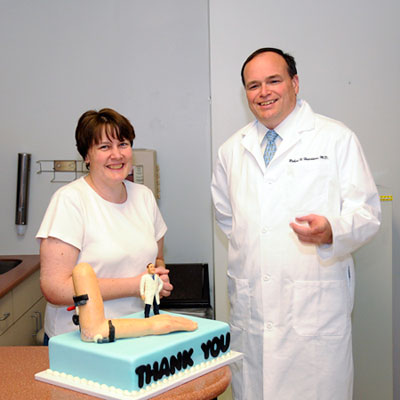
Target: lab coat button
point(269, 325)
point(265, 229)
point(267, 277)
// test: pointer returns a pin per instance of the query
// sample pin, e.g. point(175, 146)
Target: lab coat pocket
point(321, 308)
point(238, 290)
point(307, 187)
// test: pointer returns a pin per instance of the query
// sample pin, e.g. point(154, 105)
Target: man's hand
point(162, 272)
point(318, 231)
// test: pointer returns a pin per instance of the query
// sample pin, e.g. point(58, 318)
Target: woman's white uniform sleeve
point(63, 220)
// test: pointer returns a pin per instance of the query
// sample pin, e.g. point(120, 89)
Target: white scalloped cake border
point(111, 392)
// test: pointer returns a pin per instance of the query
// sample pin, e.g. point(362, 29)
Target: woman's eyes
point(108, 146)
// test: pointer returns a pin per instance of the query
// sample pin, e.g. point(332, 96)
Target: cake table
point(18, 365)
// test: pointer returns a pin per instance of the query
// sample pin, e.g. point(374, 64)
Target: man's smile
point(267, 103)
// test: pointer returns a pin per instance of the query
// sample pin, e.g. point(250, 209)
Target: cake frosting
point(132, 364)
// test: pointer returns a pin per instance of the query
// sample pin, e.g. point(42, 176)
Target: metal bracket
point(71, 169)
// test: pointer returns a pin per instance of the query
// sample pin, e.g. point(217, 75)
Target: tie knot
point(271, 136)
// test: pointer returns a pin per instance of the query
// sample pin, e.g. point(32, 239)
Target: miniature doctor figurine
point(150, 287)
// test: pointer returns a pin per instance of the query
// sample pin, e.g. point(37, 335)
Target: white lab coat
point(150, 288)
point(291, 302)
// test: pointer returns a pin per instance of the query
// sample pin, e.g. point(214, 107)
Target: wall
point(348, 63)
point(148, 60)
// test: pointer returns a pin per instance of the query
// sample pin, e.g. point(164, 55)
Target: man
point(150, 287)
point(295, 197)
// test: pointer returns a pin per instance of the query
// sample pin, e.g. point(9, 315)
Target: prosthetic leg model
point(96, 328)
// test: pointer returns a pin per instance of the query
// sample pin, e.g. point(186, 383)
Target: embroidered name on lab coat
point(295, 160)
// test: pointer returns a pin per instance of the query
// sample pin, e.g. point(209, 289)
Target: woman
point(103, 220)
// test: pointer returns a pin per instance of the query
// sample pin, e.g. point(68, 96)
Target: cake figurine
point(96, 328)
point(150, 287)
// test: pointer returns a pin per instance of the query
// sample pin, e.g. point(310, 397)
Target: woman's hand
point(162, 272)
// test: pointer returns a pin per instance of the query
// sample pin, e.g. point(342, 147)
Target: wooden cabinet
point(22, 313)
point(6, 312)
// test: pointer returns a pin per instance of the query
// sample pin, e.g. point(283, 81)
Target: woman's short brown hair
point(91, 124)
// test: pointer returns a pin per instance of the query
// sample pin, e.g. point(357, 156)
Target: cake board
point(106, 392)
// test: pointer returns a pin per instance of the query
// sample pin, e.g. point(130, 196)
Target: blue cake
point(134, 363)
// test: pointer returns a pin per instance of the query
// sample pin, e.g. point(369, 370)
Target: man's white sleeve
point(360, 212)
point(220, 195)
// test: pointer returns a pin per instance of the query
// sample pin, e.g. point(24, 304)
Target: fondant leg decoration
point(94, 325)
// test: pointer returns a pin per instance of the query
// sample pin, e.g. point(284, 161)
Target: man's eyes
point(258, 85)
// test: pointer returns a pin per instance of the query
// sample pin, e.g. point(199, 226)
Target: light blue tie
point(270, 150)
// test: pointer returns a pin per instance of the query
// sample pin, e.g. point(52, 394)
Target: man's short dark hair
point(290, 61)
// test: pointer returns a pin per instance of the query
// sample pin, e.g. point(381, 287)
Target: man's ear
point(295, 83)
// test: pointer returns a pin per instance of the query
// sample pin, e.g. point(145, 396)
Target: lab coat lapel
point(305, 121)
point(287, 144)
point(251, 144)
